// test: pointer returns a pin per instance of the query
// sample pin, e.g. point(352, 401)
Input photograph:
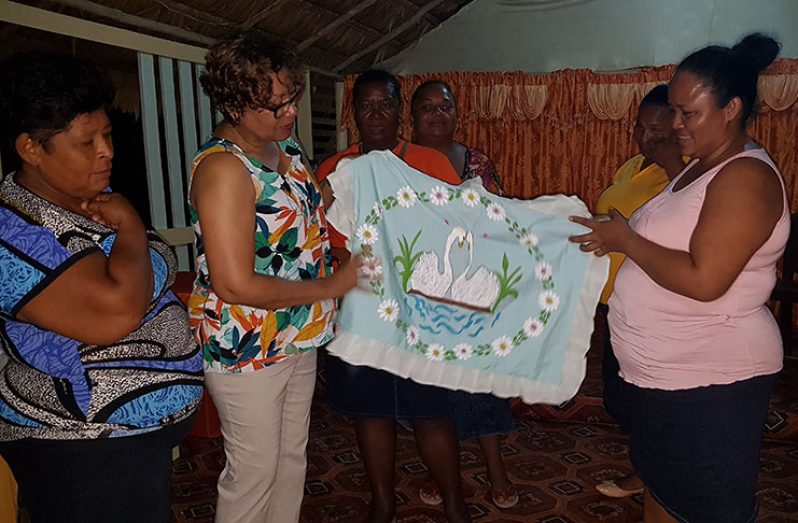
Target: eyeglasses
point(383, 106)
point(280, 110)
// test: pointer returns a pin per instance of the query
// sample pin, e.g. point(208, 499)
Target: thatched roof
point(334, 36)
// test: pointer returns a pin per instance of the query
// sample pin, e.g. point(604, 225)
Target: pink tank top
point(664, 340)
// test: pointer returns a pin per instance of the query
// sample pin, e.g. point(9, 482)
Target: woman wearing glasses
point(265, 294)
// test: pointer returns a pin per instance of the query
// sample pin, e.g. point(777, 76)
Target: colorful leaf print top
point(291, 242)
point(54, 387)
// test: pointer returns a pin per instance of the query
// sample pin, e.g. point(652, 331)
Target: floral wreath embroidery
point(406, 197)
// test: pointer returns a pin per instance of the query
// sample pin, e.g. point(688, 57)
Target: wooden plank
point(304, 119)
point(177, 236)
point(174, 164)
point(45, 20)
point(332, 26)
point(324, 121)
point(390, 36)
point(188, 114)
point(341, 135)
point(152, 140)
point(203, 109)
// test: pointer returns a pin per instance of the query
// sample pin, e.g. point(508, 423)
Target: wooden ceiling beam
point(194, 14)
point(152, 25)
point(332, 26)
point(390, 36)
point(254, 20)
point(136, 21)
point(429, 17)
point(354, 24)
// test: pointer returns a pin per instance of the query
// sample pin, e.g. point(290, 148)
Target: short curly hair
point(41, 93)
point(238, 72)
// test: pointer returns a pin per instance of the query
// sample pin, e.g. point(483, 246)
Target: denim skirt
point(479, 415)
point(697, 450)
point(364, 392)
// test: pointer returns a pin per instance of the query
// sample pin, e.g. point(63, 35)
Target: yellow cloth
point(8, 494)
point(630, 189)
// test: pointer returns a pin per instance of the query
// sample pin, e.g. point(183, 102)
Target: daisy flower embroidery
point(412, 336)
point(388, 310)
point(533, 327)
point(529, 240)
point(406, 197)
point(502, 346)
point(372, 267)
point(463, 351)
point(549, 301)
point(439, 195)
point(543, 271)
point(470, 197)
point(367, 234)
point(435, 352)
point(495, 212)
point(377, 210)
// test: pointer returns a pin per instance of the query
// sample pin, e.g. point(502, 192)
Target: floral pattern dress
point(478, 165)
point(291, 242)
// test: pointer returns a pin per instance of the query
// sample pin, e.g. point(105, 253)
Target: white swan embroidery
point(426, 280)
point(477, 292)
point(481, 290)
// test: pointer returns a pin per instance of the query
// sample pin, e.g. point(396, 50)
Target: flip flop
point(429, 494)
point(504, 499)
point(611, 489)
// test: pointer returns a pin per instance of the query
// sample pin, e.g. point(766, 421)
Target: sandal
point(612, 490)
point(429, 494)
point(504, 499)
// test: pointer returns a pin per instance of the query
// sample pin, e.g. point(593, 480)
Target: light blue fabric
point(524, 295)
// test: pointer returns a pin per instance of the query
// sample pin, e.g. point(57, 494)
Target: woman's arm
point(100, 299)
point(224, 197)
point(740, 210)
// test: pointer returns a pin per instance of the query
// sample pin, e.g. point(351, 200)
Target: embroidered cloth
point(477, 292)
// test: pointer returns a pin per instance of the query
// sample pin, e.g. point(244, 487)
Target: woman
point(265, 294)
point(379, 133)
point(697, 347)
point(103, 377)
point(483, 417)
point(376, 399)
point(635, 182)
point(434, 118)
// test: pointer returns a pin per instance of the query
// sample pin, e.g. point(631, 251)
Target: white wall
point(547, 35)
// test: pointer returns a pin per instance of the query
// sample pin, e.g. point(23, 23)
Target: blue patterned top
point(54, 387)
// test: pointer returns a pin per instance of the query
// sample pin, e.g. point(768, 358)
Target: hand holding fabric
point(347, 276)
point(609, 233)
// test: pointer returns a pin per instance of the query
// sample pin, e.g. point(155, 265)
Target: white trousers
point(264, 417)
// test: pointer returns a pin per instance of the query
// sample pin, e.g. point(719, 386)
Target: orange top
point(424, 159)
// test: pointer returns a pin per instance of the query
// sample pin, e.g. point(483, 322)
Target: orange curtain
point(567, 131)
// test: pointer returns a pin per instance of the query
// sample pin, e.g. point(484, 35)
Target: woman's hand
point(112, 210)
point(609, 233)
point(347, 276)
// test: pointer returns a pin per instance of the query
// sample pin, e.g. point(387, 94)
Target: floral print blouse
point(291, 242)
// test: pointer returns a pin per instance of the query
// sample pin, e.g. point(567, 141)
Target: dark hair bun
point(757, 50)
